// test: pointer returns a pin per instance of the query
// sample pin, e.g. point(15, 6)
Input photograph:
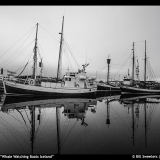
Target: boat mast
point(59, 70)
point(32, 132)
point(133, 65)
point(41, 65)
point(133, 125)
point(145, 59)
point(58, 128)
point(35, 57)
point(145, 122)
point(108, 62)
point(108, 114)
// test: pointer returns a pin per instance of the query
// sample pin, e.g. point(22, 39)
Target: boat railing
point(20, 80)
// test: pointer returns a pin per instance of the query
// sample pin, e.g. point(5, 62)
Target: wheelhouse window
point(67, 79)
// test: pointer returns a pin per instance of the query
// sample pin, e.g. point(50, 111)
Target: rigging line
point(125, 108)
point(10, 125)
point(68, 122)
point(140, 41)
point(140, 48)
point(65, 42)
point(43, 62)
point(26, 129)
point(122, 66)
point(9, 141)
point(28, 120)
point(67, 57)
point(23, 66)
point(43, 126)
point(101, 69)
point(45, 58)
point(152, 114)
point(25, 59)
point(69, 133)
point(39, 53)
point(122, 120)
point(102, 113)
point(44, 113)
point(17, 119)
point(57, 39)
point(151, 69)
point(65, 126)
point(50, 20)
point(23, 69)
point(15, 57)
point(17, 41)
point(21, 115)
point(20, 46)
point(37, 134)
point(13, 130)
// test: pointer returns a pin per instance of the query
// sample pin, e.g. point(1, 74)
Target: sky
point(91, 35)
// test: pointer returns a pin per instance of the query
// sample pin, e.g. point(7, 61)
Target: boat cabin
point(74, 79)
point(127, 81)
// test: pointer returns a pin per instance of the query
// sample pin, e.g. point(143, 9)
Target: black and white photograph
point(79, 80)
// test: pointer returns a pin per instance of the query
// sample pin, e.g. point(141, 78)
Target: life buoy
point(77, 85)
point(62, 84)
point(32, 82)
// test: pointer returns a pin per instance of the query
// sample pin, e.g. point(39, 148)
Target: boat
point(9, 75)
point(1, 80)
point(140, 87)
point(108, 86)
point(1, 83)
point(72, 84)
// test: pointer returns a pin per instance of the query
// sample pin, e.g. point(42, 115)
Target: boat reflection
point(142, 106)
point(29, 107)
point(36, 125)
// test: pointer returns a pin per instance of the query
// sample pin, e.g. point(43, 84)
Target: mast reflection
point(72, 108)
point(147, 104)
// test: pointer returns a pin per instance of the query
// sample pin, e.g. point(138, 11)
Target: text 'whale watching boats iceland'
point(72, 84)
point(137, 86)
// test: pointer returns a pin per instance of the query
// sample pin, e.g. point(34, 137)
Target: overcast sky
point(92, 33)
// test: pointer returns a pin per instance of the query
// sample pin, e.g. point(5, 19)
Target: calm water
point(105, 125)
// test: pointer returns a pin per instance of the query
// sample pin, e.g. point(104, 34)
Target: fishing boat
point(140, 87)
point(9, 75)
point(108, 86)
point(1, 83)
point(2, 76)
point(72, 84)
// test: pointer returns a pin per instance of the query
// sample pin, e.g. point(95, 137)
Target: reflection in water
point(32, 106)
point(109, 124)
point(147, 105)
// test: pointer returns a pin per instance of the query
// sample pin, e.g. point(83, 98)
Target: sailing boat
point(73, 84)
point(140, 87)
point(108, 86)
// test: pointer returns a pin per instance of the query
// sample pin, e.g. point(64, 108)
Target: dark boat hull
point(108, 88)
point(133, 90)
point(12, 88)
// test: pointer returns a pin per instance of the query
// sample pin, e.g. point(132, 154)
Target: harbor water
point(105, 125)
